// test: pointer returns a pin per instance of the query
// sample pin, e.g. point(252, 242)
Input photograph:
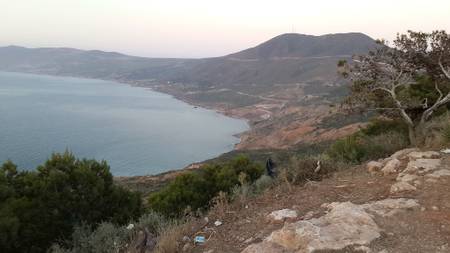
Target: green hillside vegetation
point(40, 207)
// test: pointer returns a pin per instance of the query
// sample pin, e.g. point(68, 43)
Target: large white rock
point(391, 167)
point(283, 214)
point(422, 166)
point(346, 224)
point(401, 154)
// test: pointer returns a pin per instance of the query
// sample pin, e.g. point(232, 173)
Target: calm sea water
point(137, 131)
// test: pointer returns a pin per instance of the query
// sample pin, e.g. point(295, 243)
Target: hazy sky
point(201, 28)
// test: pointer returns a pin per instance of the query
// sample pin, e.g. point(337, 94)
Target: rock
point(435, 208)
point(186, 247)
point(446, 151)
point(130, 226)
point(364, 249)
point(283, 214)
point(308, 215)
point(209, 251)
point(420, 155)
point(402, 187)
point(389, 207)
point(439, 173)
point(249, 240)
point(374, 166)
point(186, 238)
point(346, 224)
point(391, 167)
point(401, 154)
point(407, 178)
point(264, 247)
point(422, 166)
point(217, 223)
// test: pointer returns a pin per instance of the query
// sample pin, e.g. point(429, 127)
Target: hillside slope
point(284, 87)
point(354, 211)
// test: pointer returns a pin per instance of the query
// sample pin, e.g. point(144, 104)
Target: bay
point(136, 130)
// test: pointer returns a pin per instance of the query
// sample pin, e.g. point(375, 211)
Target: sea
point(136, 130)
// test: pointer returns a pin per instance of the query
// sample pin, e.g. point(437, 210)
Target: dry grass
point(170, 239)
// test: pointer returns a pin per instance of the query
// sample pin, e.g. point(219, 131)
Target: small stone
point(402, 187)
point(283, 214)
point(435, 208)
point(249, 240)
point(217, 223)
point(423, 209)
point(209, 251)
point(308, 215)
point(186, 247)
point(374, 166)
point(206, 219)
point(364, 249)
point(130, 226)
point(391, 167)
point(186, 239)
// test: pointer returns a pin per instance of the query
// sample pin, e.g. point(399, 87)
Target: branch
point(446, 71)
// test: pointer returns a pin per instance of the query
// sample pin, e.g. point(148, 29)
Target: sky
point(204, 28)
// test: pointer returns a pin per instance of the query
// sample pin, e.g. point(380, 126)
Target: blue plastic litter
point(199, 239)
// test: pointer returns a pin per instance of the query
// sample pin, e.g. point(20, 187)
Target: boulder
point(427, 155)
point(439, 173)
point(402, 187)
point(282, 215)
point(390, 207)
point(401, 154)
point(391, 167)
point(422, 166)
point(346, 224)
point(374, 166)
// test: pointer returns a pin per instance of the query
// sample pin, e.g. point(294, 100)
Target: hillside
point(284, 86)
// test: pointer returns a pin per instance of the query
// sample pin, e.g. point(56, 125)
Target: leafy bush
point(42, 206)
point(195, 190)
point(361, 147)
point(379, 126)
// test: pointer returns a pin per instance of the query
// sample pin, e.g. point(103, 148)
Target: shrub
point(350, 149)
point(446, 133)
point(379, 126)
point(195, 190)
point(42, 206)
point(360, 147)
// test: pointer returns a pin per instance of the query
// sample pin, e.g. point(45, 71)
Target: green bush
point(42, 206)
point(195, 190)
point(379, 126)
point(361, 147)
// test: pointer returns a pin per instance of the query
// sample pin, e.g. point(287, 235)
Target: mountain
point(292, 45)
point(284, 86)
point(284, 59)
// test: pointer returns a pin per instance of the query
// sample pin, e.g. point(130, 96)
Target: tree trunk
point(412, 136)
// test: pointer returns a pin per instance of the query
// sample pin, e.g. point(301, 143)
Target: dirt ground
point(426, 229)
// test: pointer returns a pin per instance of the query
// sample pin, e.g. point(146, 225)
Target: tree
point(409, 81)
point(40, 207)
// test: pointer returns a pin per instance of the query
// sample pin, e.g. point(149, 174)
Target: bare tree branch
point(444, 70)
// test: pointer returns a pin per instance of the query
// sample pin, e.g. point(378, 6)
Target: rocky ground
point(397, 204)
